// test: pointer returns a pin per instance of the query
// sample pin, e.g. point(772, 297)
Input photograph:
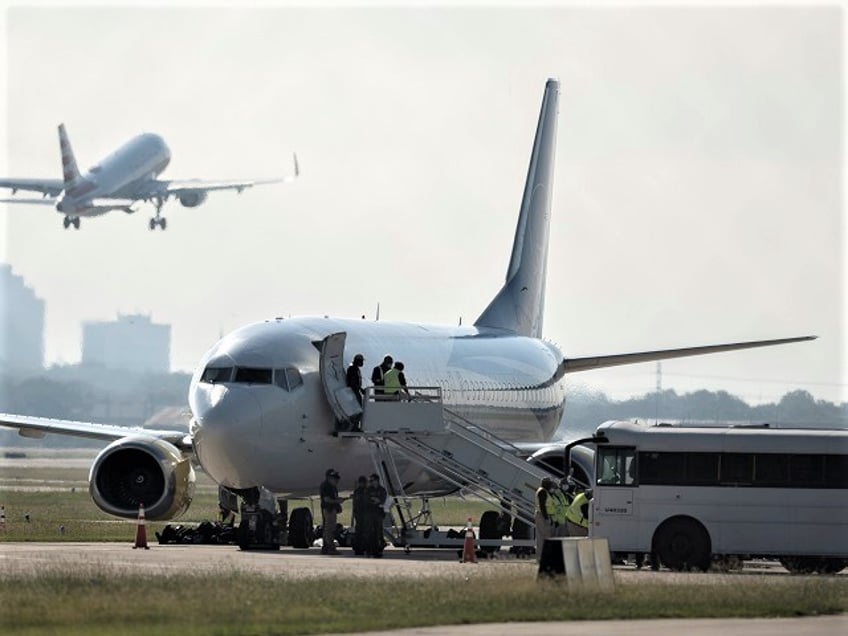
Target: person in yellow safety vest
point(394, 382)
point(578, 515)
point(558, 504)
point(542, 517)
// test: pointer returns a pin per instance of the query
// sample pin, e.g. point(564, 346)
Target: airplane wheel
point(152, 224)
point(163, 223)
point(489, 529)
point(76, 223)
point(66, 222)
point(301, 533)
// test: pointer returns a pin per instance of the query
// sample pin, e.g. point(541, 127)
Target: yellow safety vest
point(391, 381)
point(560, 505)
point(575, 513)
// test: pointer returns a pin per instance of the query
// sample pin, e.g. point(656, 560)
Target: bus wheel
point(683, 544)
point(489, 529)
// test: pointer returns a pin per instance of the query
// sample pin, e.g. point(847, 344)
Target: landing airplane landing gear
point(158, 219)
point(68, 221)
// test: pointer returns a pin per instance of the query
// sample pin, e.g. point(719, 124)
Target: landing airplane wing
point(32, 201)
point(37, 427)
point(177, 187)
point(48, 187)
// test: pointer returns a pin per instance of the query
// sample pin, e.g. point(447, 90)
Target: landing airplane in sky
point(265, 408)
point(122, 179)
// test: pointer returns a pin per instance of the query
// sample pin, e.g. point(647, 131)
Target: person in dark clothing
point(354, 376)
point(360, 514)
point(378, 373)
point(331, 506)
point(377, 496)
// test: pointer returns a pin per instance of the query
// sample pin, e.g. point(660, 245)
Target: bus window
point(737, 468)
point(616, 466)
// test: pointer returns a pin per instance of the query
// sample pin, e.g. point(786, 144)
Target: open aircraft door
point(331, 367)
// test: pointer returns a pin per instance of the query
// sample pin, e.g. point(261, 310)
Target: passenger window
point(248, 375)
point(213, 375)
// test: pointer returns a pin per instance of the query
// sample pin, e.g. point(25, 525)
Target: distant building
point(21, 324)
point(132, 342)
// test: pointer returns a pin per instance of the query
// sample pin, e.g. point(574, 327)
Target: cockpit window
point(288, 378)
point(212, 375)
point(249, 375)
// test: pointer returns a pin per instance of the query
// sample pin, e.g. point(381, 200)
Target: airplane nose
point(225, 429)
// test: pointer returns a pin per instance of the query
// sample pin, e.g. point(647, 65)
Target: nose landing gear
point(69, 221)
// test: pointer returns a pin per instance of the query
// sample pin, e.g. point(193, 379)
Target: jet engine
point(142, 470)
point(192, 198)
point(552, 458)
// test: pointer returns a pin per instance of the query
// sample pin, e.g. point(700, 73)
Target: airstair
point(450, 447)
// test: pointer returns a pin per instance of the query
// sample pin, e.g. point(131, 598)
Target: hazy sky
point(698, 195)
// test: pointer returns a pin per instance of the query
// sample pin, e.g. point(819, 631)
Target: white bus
point(688, 494)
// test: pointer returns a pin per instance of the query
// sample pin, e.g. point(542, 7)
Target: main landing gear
point(69, 221)
point(159, 220)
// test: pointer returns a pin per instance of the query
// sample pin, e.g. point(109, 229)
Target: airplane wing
point(37, 427)
point(32, 201)
point(49, 187)
point(177, 187)
point(572, 365)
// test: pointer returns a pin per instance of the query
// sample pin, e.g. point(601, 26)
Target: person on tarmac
point(377, 496)
point(544, 508)
point(578, 514)
point(360, 515)
point(331, 506)
point(560, 501)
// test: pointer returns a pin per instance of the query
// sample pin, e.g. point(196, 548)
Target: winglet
point(296, 166)
point(70, 172)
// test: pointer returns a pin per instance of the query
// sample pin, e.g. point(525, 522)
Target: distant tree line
point(584, 411)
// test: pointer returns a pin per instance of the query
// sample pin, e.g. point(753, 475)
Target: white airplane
point(118, 182)
point(265, 407)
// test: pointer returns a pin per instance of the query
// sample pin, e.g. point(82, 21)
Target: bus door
point(614, 514)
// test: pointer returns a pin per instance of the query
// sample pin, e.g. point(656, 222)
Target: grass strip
point(98, 602)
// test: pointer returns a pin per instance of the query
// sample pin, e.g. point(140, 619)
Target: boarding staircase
point(450, 447)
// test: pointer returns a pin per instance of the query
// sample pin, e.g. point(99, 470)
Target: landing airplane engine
point(142, 470)
point(193, 198)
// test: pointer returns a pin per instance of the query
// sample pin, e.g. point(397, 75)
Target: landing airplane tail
point(70, 172)
point(520, 304)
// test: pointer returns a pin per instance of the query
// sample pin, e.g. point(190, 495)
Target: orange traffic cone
point(140, 531)
point(469, 555)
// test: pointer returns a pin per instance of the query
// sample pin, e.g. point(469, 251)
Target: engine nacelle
point(192, 198)
point(142, 470)
point(582, 462)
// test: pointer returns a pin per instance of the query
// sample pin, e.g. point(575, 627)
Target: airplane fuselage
point(119, 175)
point(276, 431)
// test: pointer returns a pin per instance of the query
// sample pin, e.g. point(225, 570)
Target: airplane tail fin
point(70, 172)
point(519, 305)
